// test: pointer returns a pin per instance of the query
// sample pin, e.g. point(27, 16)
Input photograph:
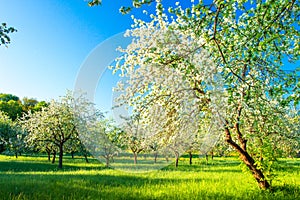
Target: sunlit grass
point(36, 178)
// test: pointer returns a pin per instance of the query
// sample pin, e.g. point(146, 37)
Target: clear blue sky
point(54, 37)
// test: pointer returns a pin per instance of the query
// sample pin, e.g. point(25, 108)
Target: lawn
point(33, 177)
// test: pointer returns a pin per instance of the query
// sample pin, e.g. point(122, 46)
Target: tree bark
point(206, 158)
point(135, 157)
point(48, 153)
point(155, 157)
point(54, 156)
point(191, 158)
point(107, 161)
point(248, 160)
point(167, 158)
point(61, 153)
point(176, 161)
point(72, 154)
point(86, 159)
point(16, 154)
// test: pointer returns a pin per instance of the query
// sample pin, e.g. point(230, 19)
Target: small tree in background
point(55, 124)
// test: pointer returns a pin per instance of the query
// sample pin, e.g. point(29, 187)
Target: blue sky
point(53, 40)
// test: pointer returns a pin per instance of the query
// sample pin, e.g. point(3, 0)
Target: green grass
point(34, 178)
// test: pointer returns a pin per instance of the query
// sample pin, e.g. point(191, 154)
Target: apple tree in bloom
point(101, 139)
point(222, 61)
point(57, 124)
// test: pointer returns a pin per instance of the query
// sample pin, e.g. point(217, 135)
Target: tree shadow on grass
point(122, 186)
point(286, 188)
point(102, 186)
point(29, 166)
point(201, 166)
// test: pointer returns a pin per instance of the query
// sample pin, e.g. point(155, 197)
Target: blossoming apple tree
point(221, 60)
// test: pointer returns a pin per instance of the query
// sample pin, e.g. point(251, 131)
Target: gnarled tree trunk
point(247, 159)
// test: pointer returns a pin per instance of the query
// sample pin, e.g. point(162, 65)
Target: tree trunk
point(16, 154)
point(61, 153)
point(212, 155)
point(176, 161)
point(191, 158)
point(72, 154)
point(155, 157)
point(107, 161)
point(86, 159)
point(206, 158)
point(257, 173)
point(54, 156)
point(248, 160)
point(135, 157)
point(167, 158)
point(48, 153)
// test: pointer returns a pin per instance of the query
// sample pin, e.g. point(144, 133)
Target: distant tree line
point(11, 109)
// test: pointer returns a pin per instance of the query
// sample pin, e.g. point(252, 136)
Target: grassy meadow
point(33, 177)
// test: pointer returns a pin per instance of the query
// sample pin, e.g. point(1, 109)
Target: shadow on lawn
point(101, 186)
point(286, 188)
point(70, 164)
point(104, 186)
point(199, 165)
point(29, 166)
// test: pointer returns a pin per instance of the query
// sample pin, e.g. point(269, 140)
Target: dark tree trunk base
point(61, 153)
point(176, 162)
point(86, 159)
point(191, 158)
point(53, 157)
point(135, 158)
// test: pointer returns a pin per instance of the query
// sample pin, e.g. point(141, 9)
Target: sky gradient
point(53, 40)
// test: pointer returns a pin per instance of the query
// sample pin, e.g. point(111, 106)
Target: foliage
point(8, 97)
point(5, 129)
point(12, 108)
point(4, 31)
point(11, 135)
point(40, 105)
point(124, 9)
point(29, 104)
